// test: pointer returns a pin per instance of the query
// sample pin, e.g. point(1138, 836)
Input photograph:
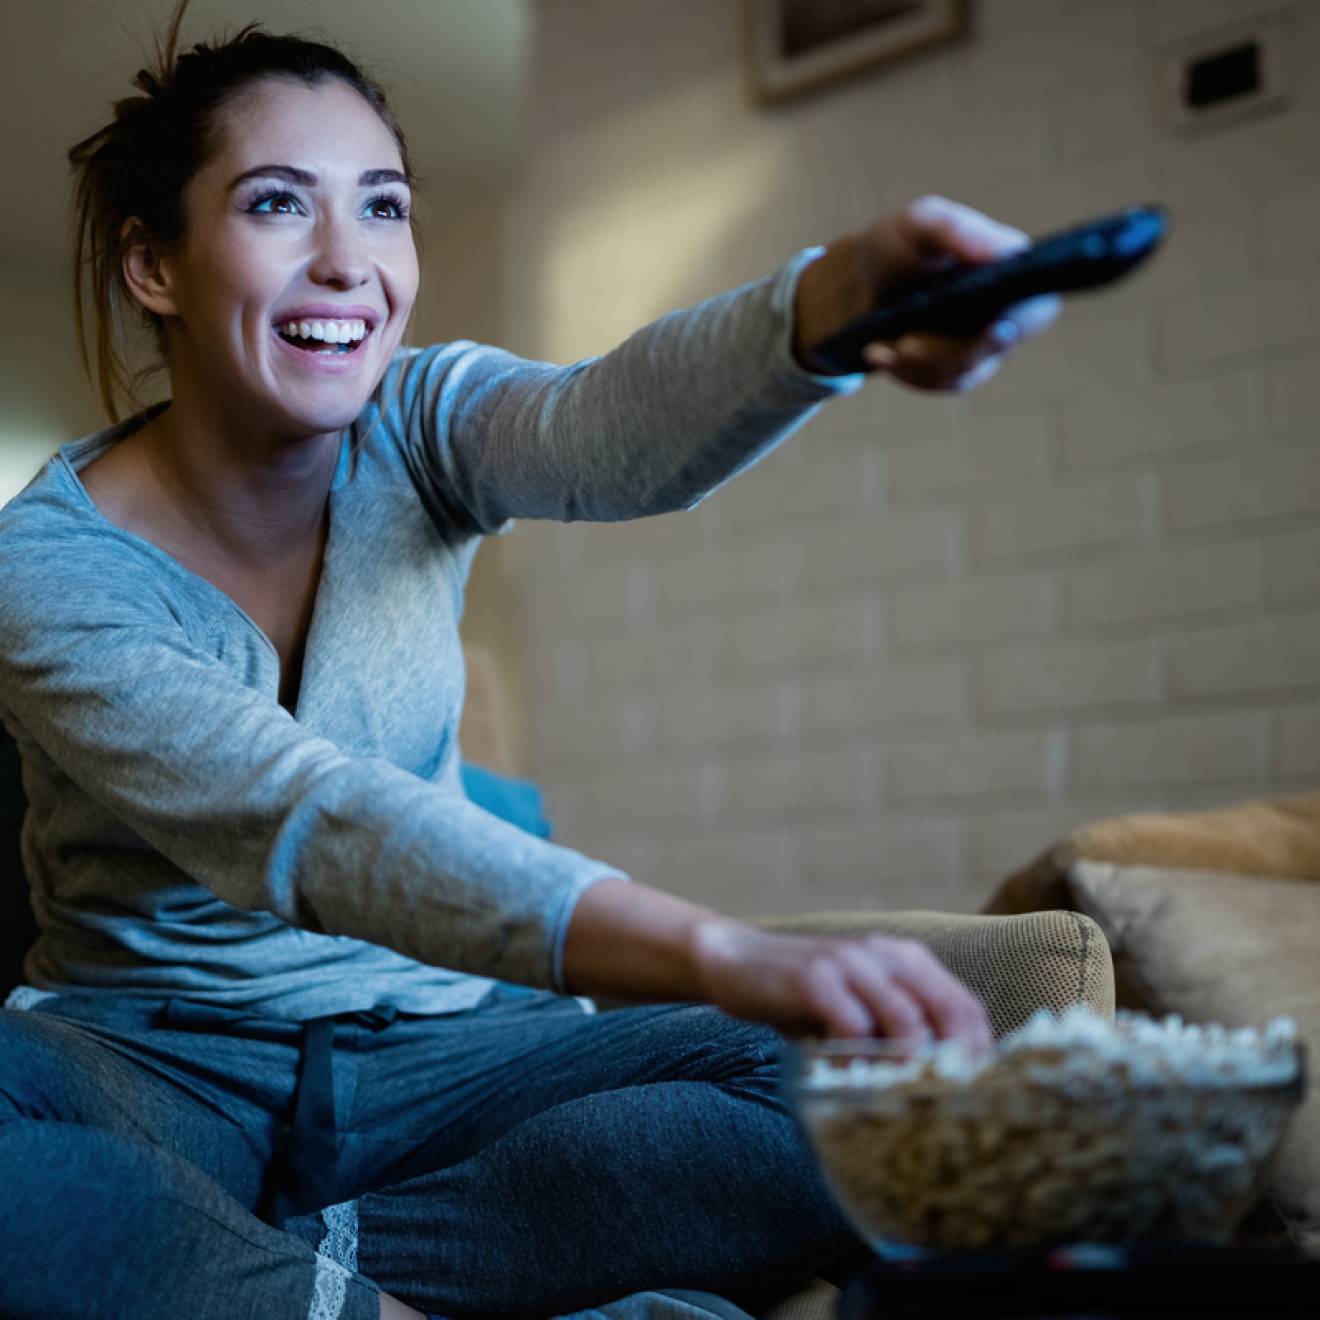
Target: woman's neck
point(256, 500)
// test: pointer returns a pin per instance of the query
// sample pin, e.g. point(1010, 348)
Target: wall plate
point(1224, 59)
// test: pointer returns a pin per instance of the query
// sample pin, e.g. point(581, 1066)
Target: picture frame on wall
point(793, 47)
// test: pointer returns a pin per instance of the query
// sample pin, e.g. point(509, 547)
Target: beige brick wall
point(46, 401)
point(930, 634)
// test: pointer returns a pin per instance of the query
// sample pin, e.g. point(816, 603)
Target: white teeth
point(332, 332)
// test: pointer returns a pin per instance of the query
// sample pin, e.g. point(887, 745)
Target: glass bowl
point(925, 1147)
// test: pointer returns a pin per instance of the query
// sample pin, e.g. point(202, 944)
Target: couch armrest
point(1014, 964)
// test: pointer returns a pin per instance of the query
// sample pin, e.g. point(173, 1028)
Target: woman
point(303, 1034)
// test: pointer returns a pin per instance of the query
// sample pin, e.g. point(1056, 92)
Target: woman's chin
point(321, 421)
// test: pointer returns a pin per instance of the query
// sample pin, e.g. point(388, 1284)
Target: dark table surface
point(1088, 1282)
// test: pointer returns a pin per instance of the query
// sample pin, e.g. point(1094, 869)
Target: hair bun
point(146, 81)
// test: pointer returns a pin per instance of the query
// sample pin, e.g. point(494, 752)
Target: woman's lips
point(335, 364)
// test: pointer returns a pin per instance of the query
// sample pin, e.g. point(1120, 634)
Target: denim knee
point(743, 1047)
point(55, 1175)
point(23, 1064)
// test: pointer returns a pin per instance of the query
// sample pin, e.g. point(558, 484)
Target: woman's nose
point(339, 259)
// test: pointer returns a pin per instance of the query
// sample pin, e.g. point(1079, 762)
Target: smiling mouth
point(319, 346)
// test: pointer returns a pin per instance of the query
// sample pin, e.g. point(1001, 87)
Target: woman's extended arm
point(686, 403)
point(653, 426)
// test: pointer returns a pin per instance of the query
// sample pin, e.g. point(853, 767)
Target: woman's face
point(300, 216)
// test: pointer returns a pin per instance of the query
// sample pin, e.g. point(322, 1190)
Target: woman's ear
point(144, 270)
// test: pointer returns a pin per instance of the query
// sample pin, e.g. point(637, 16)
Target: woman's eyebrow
point(367, 179)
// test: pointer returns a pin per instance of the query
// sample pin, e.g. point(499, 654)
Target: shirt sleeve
point(654, 426)
point(225, 784)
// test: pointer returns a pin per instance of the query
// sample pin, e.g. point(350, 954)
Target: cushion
point(1259, 836)
point(1215, 947)
point(516, 800)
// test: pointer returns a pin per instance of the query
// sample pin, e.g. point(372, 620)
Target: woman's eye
point(285, 203)
point(271, 197)
point(398, 210)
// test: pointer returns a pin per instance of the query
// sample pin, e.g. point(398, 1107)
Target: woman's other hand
point(871, 985)
point(628, 939)
point(857, 272)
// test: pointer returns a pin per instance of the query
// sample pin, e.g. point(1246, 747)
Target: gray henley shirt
point(187, 836)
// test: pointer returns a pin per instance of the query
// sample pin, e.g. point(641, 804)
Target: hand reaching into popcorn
point(641, 943)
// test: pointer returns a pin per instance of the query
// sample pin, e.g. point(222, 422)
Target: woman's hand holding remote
point(864, 269)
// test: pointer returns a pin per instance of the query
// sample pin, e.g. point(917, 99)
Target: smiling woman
point(257, 366)
point(140, 175)
point(303, 1023)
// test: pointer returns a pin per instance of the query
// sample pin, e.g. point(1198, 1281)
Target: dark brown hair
point(140, 164)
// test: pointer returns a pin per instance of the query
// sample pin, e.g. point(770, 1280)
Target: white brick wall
point(929, 635)
point(1277, 654)
point(1066, 678)
point(1294, 565)
point(1106, 428)
point(968, 767)
point(1254, 487)
point(802, 784)
point(1101, 511)
point(1298, 742)
point(1187, 749)
point(973, 610)
point(1213, 577)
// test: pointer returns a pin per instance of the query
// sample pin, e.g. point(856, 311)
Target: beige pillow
point(1224, 948)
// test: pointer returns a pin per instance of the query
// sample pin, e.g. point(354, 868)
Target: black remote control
point(965, 300)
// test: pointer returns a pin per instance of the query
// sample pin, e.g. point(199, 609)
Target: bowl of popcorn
point(1075, 1128)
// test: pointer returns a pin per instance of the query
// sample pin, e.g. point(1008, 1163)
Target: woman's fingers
point(931, 362)
point(936, 231)
point(855, 986)
point(951, 1008)
point(937, 377)
point(942, 362)
point(870, 267)
point(856, 998)
point(1026, 320)
point(832, 1000)
point(909, 993)
point(936, 227)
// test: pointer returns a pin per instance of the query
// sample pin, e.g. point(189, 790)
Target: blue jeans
point(523, 1158)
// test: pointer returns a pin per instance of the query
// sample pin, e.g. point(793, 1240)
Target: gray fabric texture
point(186, 835)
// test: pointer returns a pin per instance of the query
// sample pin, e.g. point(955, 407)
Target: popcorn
point(1076, 1128)
point(1157, 1052)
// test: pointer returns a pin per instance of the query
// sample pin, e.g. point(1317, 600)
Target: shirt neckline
point(83, 450)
